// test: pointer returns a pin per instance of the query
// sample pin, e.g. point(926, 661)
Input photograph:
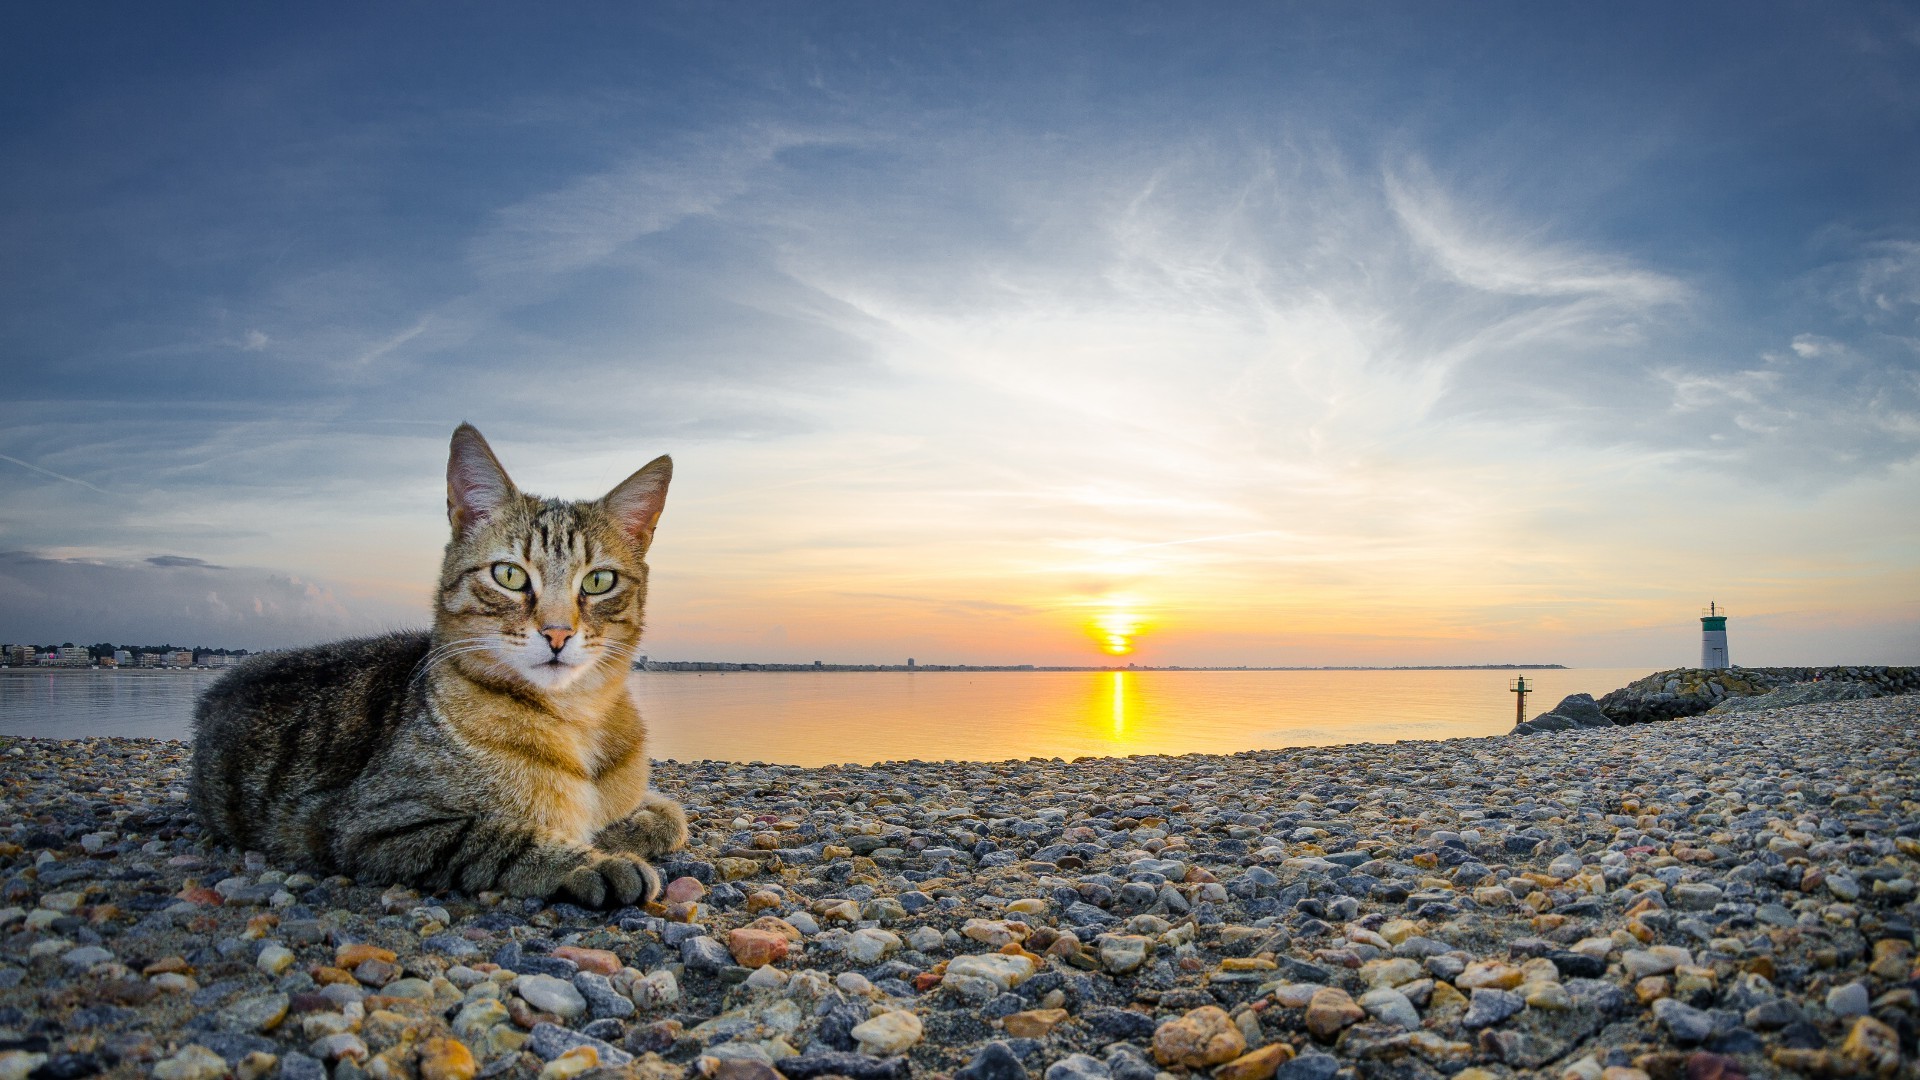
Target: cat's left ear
point(638, 500)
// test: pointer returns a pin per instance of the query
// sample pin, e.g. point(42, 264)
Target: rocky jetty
point(1574, 711)
point(1707, 899)
point(1667, 695)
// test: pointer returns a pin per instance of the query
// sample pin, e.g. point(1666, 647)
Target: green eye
point(510, 576)
point(597, 582)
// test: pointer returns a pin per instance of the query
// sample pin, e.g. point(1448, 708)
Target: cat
point(500, 751)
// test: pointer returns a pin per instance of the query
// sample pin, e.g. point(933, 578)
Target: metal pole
point(1520, 702)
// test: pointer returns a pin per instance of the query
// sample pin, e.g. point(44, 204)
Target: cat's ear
point(477, 487)
point(637, 501)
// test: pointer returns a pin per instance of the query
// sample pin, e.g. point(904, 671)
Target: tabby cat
point(501, 750)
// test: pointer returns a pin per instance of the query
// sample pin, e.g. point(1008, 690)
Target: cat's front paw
point(658, 827)
point(607, 879)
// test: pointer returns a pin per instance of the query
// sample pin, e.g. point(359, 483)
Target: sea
point(861, 717)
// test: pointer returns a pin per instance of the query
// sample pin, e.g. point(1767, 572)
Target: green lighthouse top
point(1712, 618)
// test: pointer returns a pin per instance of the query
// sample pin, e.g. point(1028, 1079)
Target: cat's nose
point(556, 636)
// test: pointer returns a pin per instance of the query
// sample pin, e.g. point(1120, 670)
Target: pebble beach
point(1705, 898)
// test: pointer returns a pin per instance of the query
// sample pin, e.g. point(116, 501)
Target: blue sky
point(1292, 333)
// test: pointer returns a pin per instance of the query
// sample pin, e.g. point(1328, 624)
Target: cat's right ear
point(477, 486)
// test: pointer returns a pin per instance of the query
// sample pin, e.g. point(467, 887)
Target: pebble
point(888, 1033)
point(1390, 1006)
point(1079, 1067)
point(1648, 902)
point(1490, 1005)
point(1329, 1011)
point(550, 994)
point(1848, 1000)
point(1203, 1037)
point(193, 1062)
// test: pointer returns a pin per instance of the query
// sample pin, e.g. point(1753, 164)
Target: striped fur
point(479, 756)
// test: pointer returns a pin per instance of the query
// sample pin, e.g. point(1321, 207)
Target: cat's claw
point(611, 880)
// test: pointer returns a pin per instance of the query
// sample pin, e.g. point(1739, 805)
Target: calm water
point(808, 718)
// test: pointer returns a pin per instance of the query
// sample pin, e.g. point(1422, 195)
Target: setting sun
point(1115, 631)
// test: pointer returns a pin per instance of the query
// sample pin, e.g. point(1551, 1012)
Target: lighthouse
point(1713, 639)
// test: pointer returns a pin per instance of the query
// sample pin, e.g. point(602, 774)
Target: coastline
point(1703, 897)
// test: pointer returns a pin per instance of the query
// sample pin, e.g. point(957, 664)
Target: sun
point(1115, 631)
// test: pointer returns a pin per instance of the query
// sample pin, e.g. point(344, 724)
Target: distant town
point(110, 656)
point(647, 664)
point(114, 657)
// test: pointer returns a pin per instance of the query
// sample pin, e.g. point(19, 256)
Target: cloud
point(1482, 252)
point(590, 218)
point(171, 561)
point(176, 598)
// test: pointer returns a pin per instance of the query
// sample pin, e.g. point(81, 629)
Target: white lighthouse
point(1713, 639)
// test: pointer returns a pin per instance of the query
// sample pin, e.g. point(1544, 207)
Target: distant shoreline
point(703, 667)
point(706, 667)
point(109, 671)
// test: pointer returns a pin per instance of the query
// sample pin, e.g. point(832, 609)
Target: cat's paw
point(608, 879)
point(659, 826)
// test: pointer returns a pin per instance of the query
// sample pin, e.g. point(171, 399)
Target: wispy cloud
point(55, 475)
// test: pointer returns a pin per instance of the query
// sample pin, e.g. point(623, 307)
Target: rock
point(575, 1062)
point(1848, 1000)
point(1119, 1025)
point(1036, 1023)
point(598, 961)
point(981, 976)
point(475, 1017)
point(193, 1062)
point(702, 953)
point(603, 1001)
point(1686, 1024)
point(1495, 974)
point(1257, 1064)
point(1311, 1065)
point(1658, 960)
point(870, 945)
point(1694, 896)
point(446, 1059)
point(888, 1033)
point(851, 1066)
point(1122, 954)
point(1873, 1047)
point(1203, 1037)
point(1390, 1006)
point(550, 1041)
point(994, 1061)
point(261, 1012)
point(20, 1064)
point(1078, 1067)
point(548, 994)
point(1330, 1011)
point(295, 1065)
point(756, 948)
point(344, 1046)
point(1488, 1006)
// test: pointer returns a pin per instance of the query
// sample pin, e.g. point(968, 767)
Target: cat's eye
point(510, 576)
point(597, 582)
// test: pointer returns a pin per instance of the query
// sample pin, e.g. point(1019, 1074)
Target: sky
point(1312, 333)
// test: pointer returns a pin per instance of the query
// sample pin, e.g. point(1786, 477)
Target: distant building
point(20, 655)
point(180, 658)
point(909, 661)
point(1713, 639)
point(72, 656)
point(122, 657)
point(151, 659)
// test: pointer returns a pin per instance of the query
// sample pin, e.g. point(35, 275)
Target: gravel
point(1709, 897)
